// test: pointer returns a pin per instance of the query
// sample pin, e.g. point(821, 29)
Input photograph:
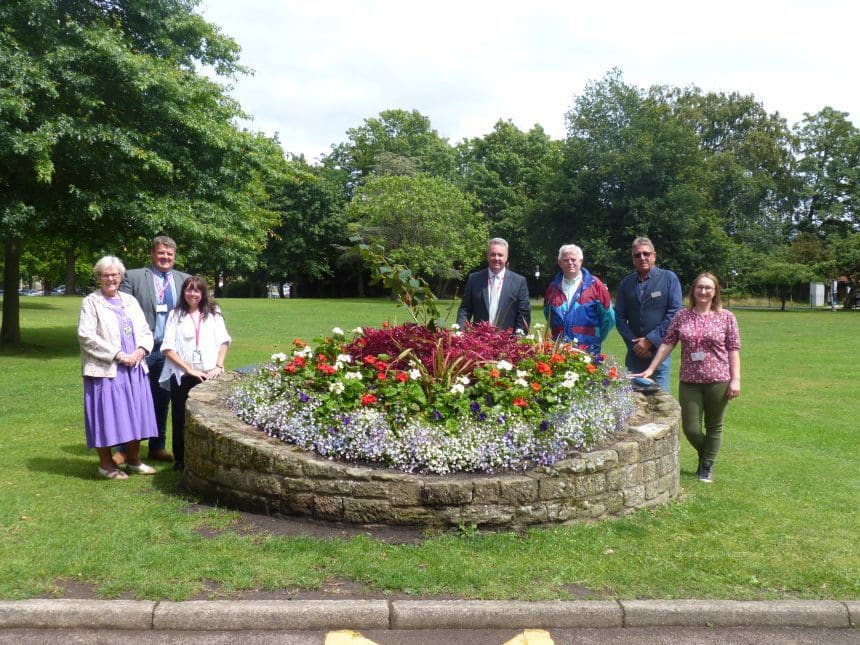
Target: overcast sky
point(323, 66)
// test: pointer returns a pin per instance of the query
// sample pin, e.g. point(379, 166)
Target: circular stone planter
point(231, 463)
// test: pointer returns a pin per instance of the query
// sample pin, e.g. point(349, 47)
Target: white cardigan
point(99, 333)
point(180, 336)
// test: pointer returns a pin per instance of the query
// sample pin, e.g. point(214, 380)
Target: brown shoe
point(160, 455)
point(118, 458)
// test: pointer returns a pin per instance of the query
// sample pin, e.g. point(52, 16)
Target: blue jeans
point(160, 398)
point(660, 375)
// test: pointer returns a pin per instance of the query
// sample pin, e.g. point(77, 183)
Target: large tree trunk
point(10, 332)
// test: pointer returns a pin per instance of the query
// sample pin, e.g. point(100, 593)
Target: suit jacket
point(649, 316)
point(140, 284)
point(514, 310)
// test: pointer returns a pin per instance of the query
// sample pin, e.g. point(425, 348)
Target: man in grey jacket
point(646, 301)
point(156, 288)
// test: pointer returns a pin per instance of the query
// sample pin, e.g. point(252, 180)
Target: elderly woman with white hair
point(114, 339)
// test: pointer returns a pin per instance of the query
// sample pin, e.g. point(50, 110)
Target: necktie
point(494, 298)
point(168, 292)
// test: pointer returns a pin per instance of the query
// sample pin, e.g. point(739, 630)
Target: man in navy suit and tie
point(646, 301)
point(496, 294)
point(156, 288)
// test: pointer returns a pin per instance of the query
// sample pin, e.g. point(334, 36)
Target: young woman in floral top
point(710, 367)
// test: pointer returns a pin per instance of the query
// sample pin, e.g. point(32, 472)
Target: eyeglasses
point(643, 254)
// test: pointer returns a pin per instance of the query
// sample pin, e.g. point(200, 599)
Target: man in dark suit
point(496, 294)
point(156, 288)
point(646, 301)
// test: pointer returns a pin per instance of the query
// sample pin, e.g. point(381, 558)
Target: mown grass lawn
point(780, 521)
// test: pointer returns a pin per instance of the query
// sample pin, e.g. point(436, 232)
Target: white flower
point(337, 387)
point(457, 388)
point(586, 358)
point(463, 379)
point(570, 379)
point(280, 357)
point(530, 336)
point(337, 331)
point(358, 331)
point(519, 332)
point(504, 366)
point(455, 326)
point(522, 381)
point(415, 374)
point(344, 358)
point(538, 325)
point(522, 373)
point(353, 375)
point(305, 351)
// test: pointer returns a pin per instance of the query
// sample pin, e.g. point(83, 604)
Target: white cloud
point(323, 67)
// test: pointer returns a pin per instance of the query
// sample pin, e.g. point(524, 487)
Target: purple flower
point(475, 406)
point(303, 397)
point(544, 425)
point(481, 416)
point(437, 416)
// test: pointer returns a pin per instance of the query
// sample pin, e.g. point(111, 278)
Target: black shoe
point(705, 473)
point(179, 466)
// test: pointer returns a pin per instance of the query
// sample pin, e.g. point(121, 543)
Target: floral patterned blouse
point(714, 335)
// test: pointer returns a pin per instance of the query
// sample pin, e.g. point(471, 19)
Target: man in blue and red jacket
point(577, 305)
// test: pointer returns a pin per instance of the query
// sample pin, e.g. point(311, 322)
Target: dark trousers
point(178, 397)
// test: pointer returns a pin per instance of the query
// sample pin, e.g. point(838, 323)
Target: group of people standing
point(147, 337)
point(649, 317)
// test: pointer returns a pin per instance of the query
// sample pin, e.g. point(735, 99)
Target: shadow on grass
point(86, 467)
point(50, 342)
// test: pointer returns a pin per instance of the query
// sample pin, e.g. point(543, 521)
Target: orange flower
point(494, 373)
point(544, 368)
point(520, 402)
point(613, 372)
point(385, 325)
point(591, 368)
point(536, 386)
point(298, 342)
point(556, 358)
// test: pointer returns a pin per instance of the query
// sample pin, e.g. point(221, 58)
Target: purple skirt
point(118, 410)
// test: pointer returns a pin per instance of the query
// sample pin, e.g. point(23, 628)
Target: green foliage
point(424, 223)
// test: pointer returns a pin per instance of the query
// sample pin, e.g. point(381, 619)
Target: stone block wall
point(233, 464)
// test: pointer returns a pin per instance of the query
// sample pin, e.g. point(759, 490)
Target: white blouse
point(184, 336)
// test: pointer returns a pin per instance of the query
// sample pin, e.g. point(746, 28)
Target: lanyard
point(196, 324)
point(165, 285)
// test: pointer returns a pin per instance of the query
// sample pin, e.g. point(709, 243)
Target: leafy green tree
point(843, 262)
point(749, 164)
point(505, 170)
point(396, 138)
point(305, 247)
point(109, 135)
point(423, 222)
point(630, 166)
point(781, 274)
point(829, 149)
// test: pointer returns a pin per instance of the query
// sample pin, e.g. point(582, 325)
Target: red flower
point(322, 358)
point(370, 360)
point(385, 325)
point(536, 386)
point(401, 376)
point(290, 368)
point(368, 399)
point(380, 376)
point(556, 358)
point(613, 372)
point(591, 368)
point(544, 368)
point(326, 369)
point(520, 402)
point(298, 361)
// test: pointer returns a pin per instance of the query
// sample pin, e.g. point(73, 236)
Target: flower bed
point(437, 400)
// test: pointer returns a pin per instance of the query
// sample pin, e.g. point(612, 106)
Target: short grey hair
point(642, 241)
point(163, 240)
point(570, 248)
point(106, 263)
point(497, 241)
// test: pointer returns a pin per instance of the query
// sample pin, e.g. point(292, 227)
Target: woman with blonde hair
point(710, 367)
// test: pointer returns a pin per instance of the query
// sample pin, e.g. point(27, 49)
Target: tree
point(829, 149)
point(424, 223)
point(108, 135)
point(505, 171)
point(398, 138)
point(630, 166)
point(783, 275)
